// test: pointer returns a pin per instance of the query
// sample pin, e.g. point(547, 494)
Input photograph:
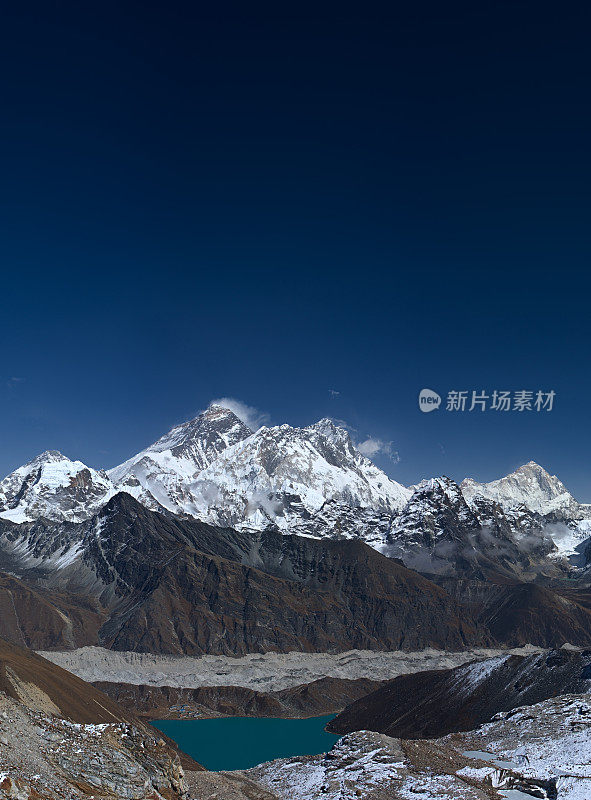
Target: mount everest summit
point(216, 469)
point(312, 481)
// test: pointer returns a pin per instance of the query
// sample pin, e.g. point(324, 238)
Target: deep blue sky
point(266, 207)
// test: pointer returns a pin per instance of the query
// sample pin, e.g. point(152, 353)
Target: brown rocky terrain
point(438, 702)
point(134, 579)
point(41, 694)
point(39, 684)
point(35, 617)
point(45, 756)
point(165, 585)
point(554, 613)
point(324, 696)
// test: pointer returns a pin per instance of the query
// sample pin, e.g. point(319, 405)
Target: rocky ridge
point(434, 703)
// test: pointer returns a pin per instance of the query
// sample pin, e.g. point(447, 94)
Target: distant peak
point(327, 425)
point(216, 411)
point(439, 484)
point(49, 456)
point(531, 466)
point(326, 421)
point(122, 501)
point(215, 408)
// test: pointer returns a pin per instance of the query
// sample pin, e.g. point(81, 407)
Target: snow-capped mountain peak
point(530, 485)
point(53, 486)
point(160, 475)
point(280, 473)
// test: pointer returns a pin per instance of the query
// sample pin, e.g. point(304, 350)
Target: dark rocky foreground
point(60, 736)
point(439, 702)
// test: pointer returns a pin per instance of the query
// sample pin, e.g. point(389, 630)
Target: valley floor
point(538, 751)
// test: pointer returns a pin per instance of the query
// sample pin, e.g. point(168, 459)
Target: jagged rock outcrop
point(438, 532)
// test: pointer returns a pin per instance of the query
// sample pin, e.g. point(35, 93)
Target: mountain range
point(220, 541)
point(314, 482)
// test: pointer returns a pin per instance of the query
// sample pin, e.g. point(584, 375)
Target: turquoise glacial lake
point(242, 742)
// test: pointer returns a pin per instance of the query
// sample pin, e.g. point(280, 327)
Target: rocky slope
point(435, 703)
point(43, 686)
point(557, 613)
point(37, 617)
point(320, 697)
point(44, 756)
point(60, 736)
point(167, 585)
point(539, 751)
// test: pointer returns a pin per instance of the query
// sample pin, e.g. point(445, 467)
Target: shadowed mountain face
point(435, 703)
point(134, 579)
point(167, 585)
point(516, 613)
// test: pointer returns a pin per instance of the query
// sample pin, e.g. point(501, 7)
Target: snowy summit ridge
point(54, 487)
point(530, 485)
point(310, 481)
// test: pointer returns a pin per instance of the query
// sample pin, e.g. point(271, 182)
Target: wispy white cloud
point(251, 416)
point(372, 447)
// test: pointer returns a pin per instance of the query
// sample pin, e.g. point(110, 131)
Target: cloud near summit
point(372, 447)
point(251, 416)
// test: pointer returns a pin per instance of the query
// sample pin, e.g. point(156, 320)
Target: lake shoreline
point(239, 743)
